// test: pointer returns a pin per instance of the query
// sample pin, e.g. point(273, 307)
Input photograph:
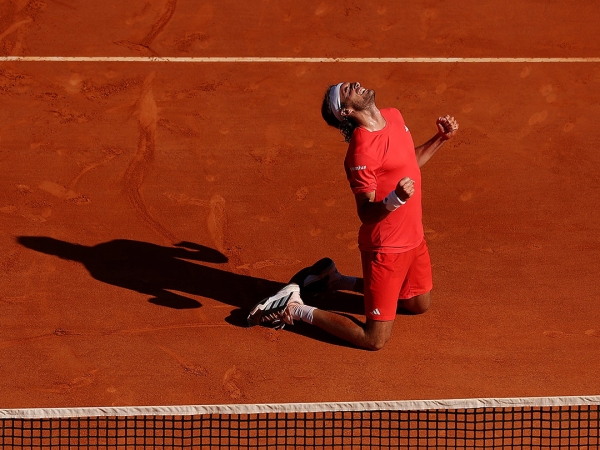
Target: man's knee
point(418, 304)
point(378, 333)
point(377, 344)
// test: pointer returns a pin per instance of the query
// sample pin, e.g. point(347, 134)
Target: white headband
point(334, 101)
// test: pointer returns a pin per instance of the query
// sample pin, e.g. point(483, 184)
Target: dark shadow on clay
point(157, 270)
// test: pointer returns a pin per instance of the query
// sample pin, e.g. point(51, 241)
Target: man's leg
point(286, 306)
point(375, 333)
point(371, 336)
point(417, 304)
point(323, 276)
point(415, 294)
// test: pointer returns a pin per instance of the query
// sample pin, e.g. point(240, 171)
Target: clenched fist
point(405, 189)
point(447, 127)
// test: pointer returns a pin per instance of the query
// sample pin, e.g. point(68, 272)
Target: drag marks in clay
point(188, 367)
point(561, 334)
point(136, 173)
point(64, 387)
point(217, 222)
point(59, 332)
point(164, 17)
point(37, 211)
point(62, 192)
point(232, 381)
point(27, 213)
point(270, 263)
point(21, 17)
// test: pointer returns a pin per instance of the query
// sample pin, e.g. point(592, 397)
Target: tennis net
point(505, 423)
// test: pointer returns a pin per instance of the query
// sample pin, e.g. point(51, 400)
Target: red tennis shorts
point(390, 277)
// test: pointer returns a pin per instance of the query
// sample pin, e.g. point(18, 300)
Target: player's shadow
point(157, 271)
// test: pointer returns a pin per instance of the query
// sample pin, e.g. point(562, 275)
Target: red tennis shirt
point(375, 162)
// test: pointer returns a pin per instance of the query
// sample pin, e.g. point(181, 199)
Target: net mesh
point(521, 427)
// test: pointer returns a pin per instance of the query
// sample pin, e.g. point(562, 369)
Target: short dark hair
point(346, 126)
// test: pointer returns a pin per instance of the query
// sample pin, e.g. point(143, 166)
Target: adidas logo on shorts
point(376, 312)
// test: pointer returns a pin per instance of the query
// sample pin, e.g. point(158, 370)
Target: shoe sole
point(264, 309)
point(319, 271)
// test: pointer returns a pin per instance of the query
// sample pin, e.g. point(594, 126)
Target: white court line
point(406, 405)
point(235, 59)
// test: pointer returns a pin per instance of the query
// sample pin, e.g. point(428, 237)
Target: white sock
point(302, 312)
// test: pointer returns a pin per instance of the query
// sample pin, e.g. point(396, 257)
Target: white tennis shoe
point(273, 311)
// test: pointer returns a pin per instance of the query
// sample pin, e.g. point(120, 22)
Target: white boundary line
point(186, 410)
point(234, 59)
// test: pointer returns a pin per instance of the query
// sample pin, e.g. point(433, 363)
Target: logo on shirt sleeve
point(355, 168)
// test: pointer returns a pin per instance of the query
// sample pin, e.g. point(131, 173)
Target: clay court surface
point(145, 206)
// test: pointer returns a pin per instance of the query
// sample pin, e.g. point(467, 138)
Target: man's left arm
point(447, 128)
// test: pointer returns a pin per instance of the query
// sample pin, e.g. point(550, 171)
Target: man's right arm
point(370, 211)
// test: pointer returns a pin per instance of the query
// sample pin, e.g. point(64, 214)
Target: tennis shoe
point(322, 276)
point(273, 311)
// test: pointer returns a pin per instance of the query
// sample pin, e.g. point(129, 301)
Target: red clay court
point(145, 205)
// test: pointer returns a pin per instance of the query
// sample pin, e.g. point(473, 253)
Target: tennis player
point(383, 168)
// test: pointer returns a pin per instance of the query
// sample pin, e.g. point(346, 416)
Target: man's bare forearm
point(447, 128)
point(370, 211)
point(428, 149)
